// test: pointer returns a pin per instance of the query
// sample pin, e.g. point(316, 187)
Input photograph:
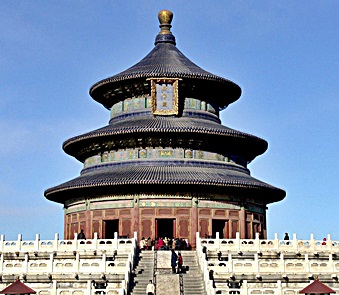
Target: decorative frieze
point(158, 153)
point(144, 102)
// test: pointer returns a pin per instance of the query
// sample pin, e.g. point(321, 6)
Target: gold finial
point(165, 18)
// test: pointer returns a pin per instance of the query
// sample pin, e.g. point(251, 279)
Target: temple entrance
point(109, 228)
point(219, 226)
point(164, 228)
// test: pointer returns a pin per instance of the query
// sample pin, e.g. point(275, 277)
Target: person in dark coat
point(81, 235)
point(174, 258)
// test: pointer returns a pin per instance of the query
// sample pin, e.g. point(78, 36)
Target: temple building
point(165, 165)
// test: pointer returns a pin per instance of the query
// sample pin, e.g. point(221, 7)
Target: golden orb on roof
point(165, 18)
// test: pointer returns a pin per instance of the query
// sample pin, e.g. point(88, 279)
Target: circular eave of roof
point(169, 126)
point(119, 176)
point(165, 60)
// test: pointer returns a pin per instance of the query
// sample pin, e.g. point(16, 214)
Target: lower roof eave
point(265, 195)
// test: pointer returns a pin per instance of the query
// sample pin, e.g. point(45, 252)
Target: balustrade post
point(237, 240)
point(312, 243)
point(77, 262)
point(104, 256)
point(25, 264)
point(95, 240)
point(37, 242)
point(2, 241)
point(279, 288)
point(329, 242)
point(56, 242)
point(331, 263)
point(51, 261)
point(197, 239)
point(282, 263)
point(18, 244)
point(295, 242)
point(217, 239)
point(256, 262)
point(307, 264)
point(89, 287)
point(54, 287)
point(276, 241)
point(245, 287)
point(1, 263)
point(257, 242)
point(230, 263)
point(115, 244)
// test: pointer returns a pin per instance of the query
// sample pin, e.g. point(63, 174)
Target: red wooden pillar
point(194, 221)
point(88, 224)
point(242, 219)
point(136, 218)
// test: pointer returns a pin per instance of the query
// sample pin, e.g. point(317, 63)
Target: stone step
point(193, 283)
point(144, 271)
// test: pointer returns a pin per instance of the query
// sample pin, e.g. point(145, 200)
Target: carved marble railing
point(277, 288)
point(258, 245)
point(64, 245)
point(42, 264)
point(261, 261)
point(204, 268)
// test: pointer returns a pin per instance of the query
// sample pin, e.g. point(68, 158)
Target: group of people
point(164, 244)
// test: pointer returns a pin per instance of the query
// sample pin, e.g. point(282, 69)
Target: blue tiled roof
point(165, 60)
point(171, 127)
point(137, 174)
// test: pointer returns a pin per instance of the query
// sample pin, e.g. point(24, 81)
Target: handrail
point(259, 245)
point(57, 244)
point(204, 268)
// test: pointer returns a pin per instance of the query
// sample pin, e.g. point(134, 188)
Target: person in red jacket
point(180, 262)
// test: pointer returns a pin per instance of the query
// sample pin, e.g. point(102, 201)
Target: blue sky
point(283, 54)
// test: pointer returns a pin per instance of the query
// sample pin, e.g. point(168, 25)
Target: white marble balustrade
point(276, 244)
point(43, 264)
point(258, 260)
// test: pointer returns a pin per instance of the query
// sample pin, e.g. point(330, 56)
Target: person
point(286, 238)
point(149, 243)
point(324, 241)
point(178, 244)
point(174, 244)
point(150, 288)
point(81, 235)
point(180, 262)
point(160, 243)
point(174, 258)
point(234, 285)
point(166, 240)
point(142, 244)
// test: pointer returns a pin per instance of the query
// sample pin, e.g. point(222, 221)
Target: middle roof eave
point(165, 125)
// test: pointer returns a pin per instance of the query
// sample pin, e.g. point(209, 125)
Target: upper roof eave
point(165, 60)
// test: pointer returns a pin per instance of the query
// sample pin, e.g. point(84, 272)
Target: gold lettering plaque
point(164, 94)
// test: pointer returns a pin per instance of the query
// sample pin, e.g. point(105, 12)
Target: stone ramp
point(190, 282)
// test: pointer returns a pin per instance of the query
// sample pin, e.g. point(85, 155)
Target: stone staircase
point(192, 280)
point(144, 272)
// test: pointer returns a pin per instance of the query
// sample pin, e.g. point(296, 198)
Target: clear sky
point(283, 54)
